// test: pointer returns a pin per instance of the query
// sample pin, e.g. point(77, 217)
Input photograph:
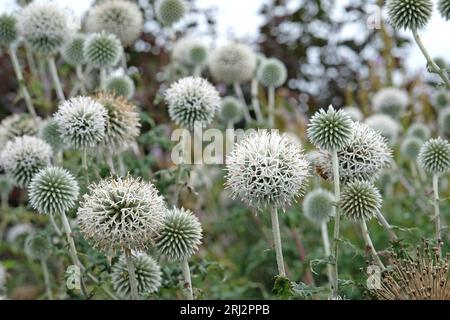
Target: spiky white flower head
point(180, 235)
point(419, 130)
point(122, 122)
point(192, 101)
point(360, 200)
point(73, 52)
point(362, 158)
point(190, 52)
point(354, 113)
point(120, 17)
point(232, 110)
point(82, 122)
point(444, 9)
point(441, 99)
point(50, 133)
point(233, 62)
point(148, 275)
point(8, 30)
point(444, 120)
point(18, 125)
point(318, 206)
point(272, 73)
point(409, 14)
point(102, 49)
point(390, 101)
point(121, 85)
point(169, 12)
point(331, 129)
point(434, 156)
point(53, 190)
point(121, 213)
point(38, 245)
point(23, 157)
point(46, 27)
point(384, 124)
point(266, 168)
point(410, 147)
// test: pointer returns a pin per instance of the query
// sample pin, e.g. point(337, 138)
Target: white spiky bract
point(8, 30)
point(272, 73)
point(409, 14)
point(50, 133)
point(232, 110)
point(82, 122)
point(53, 190)
point(121, 214)
point(121, 85)
point(23, 157)
point(434, 156)
point(360, 200)
point(331, 129)
point(354, 113)
point(391, 101)
point(120, 17)
point(190, 52)
point(266, 168)
point(18, 125)
point(169, 12)
point(444, 120)
point(102, 50)
point(410, 147)
point(148, 275)
point(419, 130)
point(46, 27)
point(73, 51)
point(231, 63)
point(318, 206)
point(444, 9)
point(385, 125)
point(192, 101)
point(38, 246)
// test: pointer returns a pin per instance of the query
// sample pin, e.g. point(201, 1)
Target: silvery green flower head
point(232, 110)
point(72, 52)
point(45, 26)
point(318, 206)
point(23, 157)
point(180, 235)
point(192, 101)
point(53, 190)
point(266, 169)
point(121, 85)
point(121, 213)
point(120, 17)
point(354, 113)
point(231, 63)
point(391, 101)
point(8, 30)
point(148, 275)
point(419, 130)
point(18, 125)
point(330, 129)
point(272, 73)
point(441, 99)
point(102, 50)
point(409, 14)
point(444, 9)
point(434, 156)
point(360, 200)
point(50, 133)
point(444, 120)
point(410, 147)
point(190, 52)
point(385, 125)
point(169, 12)
point(38, 245)
point(82, 122)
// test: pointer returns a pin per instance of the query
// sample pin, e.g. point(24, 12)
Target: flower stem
point(437, 216)
point(55, 78)
point(271, 105)
point(334, 252)
point(48, 289)
point(5, 200)
point(80, 76)
point(277, 241)
point(187, 279)
point(85, 166)
point(386, 226)
point(131, 275)
point(103, 79)
point(369, 244)
point(255, 101)
point(240, 95)
point(326, 248)
point(55, 225)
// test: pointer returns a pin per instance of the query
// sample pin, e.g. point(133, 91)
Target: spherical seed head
point(8, 30)
point(385, 125)
point(318, 206)
point(419, 130)
point(102, 49)
point(53, 190)
point(23, 157)
point(272, 73)
point(180, 236)
point(390, 101)
point(38, 246)
point(119, 17)
point(232, 63)
point(231, 110)
point(122, 122)
point(444, 120)
point(444, 9)
point(169, 12)
point(434, 156)
point(409, 14)
point(266, 168)
point(18, 125)
point(148, 275)
point(72, 52)
point(441, 99)
point(121, 213)
point(50, 133)
point(192, 101)
point(82, 122)
point(354, 113)
point(360, 200)
point(410, 147)
point(331, 129)
point(190, 52)
point(121, 86)
point(46, 27)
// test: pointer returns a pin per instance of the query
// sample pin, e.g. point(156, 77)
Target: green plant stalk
point(80, 77)
point(31, 61)
point(55, 78)
point(55, 225)
point(103, 79)
point(48, 288)
point(187, 279)
point(327, 250)
point(437, 215)
point(240, 95)
point(271, 102)
point(131, 275)
point(85, 166)
point(337, 217)
point(369, 244)
point(386, 226)
point(277, 241)
point(255, 101)
point(5, 200)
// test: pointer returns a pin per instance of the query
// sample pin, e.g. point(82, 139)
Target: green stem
point(5, 200)
point(48, 288)
point(240, 95)
point(131, 275)
point(437, 216)
point(85, 166)
point(103, 79)
point(369, 244)
point(187, 279)
point(271, 106)
point(80, 76)
point(55, 225)
point(277, 241)
point(386, 226)
point(336, 239)
point(55, 78)
point(255, 100)
point(327, 249)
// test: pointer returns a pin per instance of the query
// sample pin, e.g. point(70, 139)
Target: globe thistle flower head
point(232, 63)
point(73, 51)
point(410, 147)
point(444, 120)
point(272, 73)
point(354, 113)
point(390, 101)
point(18, 125)
point(120, 17)
point(190, 52)
point(121, 85)
point(418, 130)
point(121, 213)
point(331, 129)
point(409, 14)
point(180, 235)
point(441, 99)
point(46, 27)
point(23, 157)
point(434, 156)
point(50, 133)
point(8, 30)
point(231, 110)
point(385, 125)
point(444, 9)
point(38, 246)
point(169, 12)
point(81, 122)
point(360, 200)
point(53, 190)
point(148, 275)
point(266, 168)
point(192, 101)
point(318, 206)
point(102, 50)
